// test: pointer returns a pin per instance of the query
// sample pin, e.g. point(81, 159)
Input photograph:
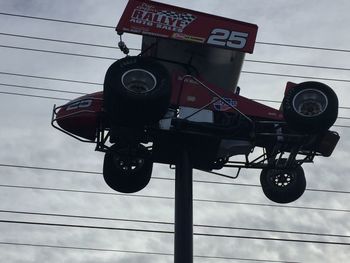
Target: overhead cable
point(171, 232)
point(135, 252)
point(113, 27)
point(171, 224)
point(114, 58)
point(153, 177)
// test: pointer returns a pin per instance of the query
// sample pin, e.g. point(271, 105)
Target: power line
point(246, 72)
point(33, 96)
point(195, 199)
point(113, 27)
point(59, 41)
point(58, 20)
point(50, 78)
point(58, 52)
point(295, 65)
point(82, 93)
point(86, 248)
point(153, 177)
point(42, 89)
point(65, 99)
point(137, 252)
point(171, 224)
point(276, 101)
point(159, 178)
point(303, 47)
point(112, 58)
point(171, 232)
point(293, 76)
point(115, 48)
point(65, 41)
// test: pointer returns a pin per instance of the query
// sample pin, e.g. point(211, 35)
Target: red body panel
point(196, 96)
point(81, 116)
point(160, 20)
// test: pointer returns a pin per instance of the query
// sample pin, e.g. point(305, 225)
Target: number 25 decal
point(226, 38)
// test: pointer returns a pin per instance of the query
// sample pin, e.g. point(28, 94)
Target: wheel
point(310, 107)
point(137, 91)
point(283, 186)
point(126, 169)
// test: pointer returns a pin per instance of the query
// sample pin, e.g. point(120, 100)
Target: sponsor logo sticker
point(181, 36)
point(220, 105)
point(148, 15)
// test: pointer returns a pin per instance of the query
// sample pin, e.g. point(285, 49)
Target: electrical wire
point(156, 178)
point(61, 41)
point(304, 47)
point(100, 84)
point(138, 252)
point(66, 99)
point(57, 20)
point(171, 224)
point(42, 89)
point(114, 59)
point(295, 65)
point(276, 101)
point(293, 76)
point(172, 232)
point(50, 78)
point(153, 177)
point(194, 199)
point(82, 93)
point(57, 52)
point(113, 27)
point(33, 96)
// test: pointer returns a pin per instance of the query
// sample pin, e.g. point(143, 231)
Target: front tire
point(283, 186)
point(136, 91)
point(310, 107)
point(127, 169)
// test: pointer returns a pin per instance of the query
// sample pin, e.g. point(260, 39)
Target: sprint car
point(181, 91)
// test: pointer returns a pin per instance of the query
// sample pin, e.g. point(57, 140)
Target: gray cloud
point(28, 139)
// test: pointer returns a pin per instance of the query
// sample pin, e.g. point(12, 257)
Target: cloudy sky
point(28, 140)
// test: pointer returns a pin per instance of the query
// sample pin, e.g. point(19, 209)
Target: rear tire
point(136, 91)
point(283, 186)
point(310, 107)
point(126, 169)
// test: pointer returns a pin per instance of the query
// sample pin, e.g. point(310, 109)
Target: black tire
point(310, 107)
point(137, 91)
point(127, 170)
point(283, 186)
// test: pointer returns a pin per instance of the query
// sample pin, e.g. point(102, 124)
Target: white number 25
point(231, 39)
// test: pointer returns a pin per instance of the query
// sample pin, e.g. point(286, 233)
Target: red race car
point(181, 90)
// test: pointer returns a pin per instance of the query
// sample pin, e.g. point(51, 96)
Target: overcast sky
point(27, 139)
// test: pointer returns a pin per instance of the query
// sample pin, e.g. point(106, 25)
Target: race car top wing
point(155, 19)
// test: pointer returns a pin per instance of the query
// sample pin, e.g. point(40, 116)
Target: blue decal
point(220, 105)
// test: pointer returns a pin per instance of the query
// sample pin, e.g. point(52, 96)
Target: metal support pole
point(183, 209)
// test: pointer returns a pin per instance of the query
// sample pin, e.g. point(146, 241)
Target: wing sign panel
point(160, 20)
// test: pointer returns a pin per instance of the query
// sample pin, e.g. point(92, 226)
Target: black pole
point(183, 209)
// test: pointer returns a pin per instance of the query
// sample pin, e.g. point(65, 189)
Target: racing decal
point(80, 104)
point(220, 105)
point(181, 36)
point(226, 38)
point(146, 14)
